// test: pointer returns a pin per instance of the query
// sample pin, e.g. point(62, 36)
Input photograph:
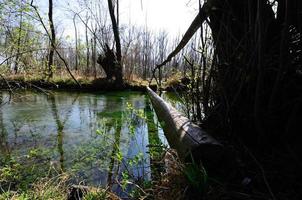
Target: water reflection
point(4, 148)
point(60, 125)
point(97, 137)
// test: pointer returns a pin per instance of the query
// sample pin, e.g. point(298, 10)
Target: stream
point(98, 138)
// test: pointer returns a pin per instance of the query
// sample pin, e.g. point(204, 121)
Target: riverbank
point(85, 84)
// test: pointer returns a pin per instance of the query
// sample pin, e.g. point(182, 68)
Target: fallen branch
point(195, 25)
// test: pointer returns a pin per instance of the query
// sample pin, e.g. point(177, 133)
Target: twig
point(39, 88)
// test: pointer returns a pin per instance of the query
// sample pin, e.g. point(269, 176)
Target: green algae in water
point(94, 137)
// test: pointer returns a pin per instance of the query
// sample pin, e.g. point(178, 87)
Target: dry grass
point(173, 183)
point(45, 189)
point(175, 79)
point(57, 188)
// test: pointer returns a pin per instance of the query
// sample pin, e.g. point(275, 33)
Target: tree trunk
point(19, 40)
point(52, 40)
point(76, 43)
point(118, 64)
point(93, 56)
point(87, 47)
point(183, 135)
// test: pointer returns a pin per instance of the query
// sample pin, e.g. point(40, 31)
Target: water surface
point(96, 137)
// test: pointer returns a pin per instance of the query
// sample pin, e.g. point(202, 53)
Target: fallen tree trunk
point(183, 135)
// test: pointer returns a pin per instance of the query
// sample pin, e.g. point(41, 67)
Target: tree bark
point(53, 39)
point(87, 46)
point(118, 64)
point(76, 43)
point(93, 56)
point(183, 135)
point(115, 31)
point(19, 40)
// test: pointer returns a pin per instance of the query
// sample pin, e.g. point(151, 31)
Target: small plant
point(96, 195)
point(197, 176)
point(125, 180)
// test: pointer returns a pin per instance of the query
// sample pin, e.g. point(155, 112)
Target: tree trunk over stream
point(184, 136)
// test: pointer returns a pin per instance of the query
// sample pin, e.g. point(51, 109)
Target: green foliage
point(140, 113)
point(20, 172)
point(12, 195)
point(97, 195)
point(125, 180)
point(137, 159)
point(92, 153)
point(10, 172)
point(138, 192)
point(119, 156)
point(197, 176)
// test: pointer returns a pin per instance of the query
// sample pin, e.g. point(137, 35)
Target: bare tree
point(19, 38)
point(76, 42)
point(52, 38)
point(115, 30)
point(87, 44)
point(110, 61)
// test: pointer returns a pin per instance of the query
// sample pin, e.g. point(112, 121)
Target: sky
point(172, 16)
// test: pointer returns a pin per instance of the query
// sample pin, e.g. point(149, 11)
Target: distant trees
point(19, 39)
point(32, 45)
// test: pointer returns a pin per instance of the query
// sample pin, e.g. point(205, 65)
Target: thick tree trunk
point(118, 64)
point(183, 135)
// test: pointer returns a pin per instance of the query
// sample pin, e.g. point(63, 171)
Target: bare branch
point(49, 36)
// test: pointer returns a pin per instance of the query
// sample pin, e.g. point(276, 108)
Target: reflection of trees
point(113, 119)
point(60, 125)
point(4, 147)
point(115, 150)
point(155, 144)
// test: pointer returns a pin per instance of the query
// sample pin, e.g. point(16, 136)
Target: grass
point(46, 188)
point(55, 188)
point(172, 183)
point(64, 81)
point(22, 179)
point(176, 82)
